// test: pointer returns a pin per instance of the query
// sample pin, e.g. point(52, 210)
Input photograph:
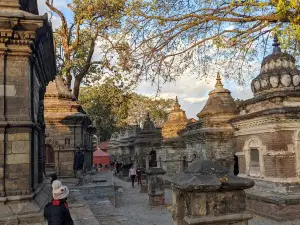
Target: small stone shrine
point(146, 144)
point(212, 137)
point(67, 127)
point(207, 193)
point(171, 154)
point(27, 62)
point(156, 186)
point(268, 138)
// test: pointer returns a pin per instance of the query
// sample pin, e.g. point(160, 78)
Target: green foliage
point(113, 107)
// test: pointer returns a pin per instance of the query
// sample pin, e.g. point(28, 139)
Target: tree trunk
point(76, 88)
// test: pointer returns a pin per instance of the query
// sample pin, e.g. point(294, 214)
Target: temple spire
point(176, 105)
point(219, 82)
point(276, 45)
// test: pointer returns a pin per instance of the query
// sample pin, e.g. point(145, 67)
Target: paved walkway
point(133, 209)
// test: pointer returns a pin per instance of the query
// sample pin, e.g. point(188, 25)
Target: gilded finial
point(276, 45)
point(219, 82)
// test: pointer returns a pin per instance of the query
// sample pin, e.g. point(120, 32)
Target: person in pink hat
point(57, 212)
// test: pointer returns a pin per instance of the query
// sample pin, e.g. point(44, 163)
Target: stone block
point(156, 200)
point(18, 170)
point(20, 184)
point(20, 147)
point(17, 159)
point(19, 137)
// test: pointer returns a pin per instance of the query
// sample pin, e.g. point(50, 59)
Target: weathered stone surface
point(66, 122)
point(207, 193)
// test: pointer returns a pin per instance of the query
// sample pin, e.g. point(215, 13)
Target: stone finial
point(176, 105)
point(276, 45)
point(219, 81)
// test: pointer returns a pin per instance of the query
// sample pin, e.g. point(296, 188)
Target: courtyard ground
point(132, 209)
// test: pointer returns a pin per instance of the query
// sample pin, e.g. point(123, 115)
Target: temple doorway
point(49, 156)
point(152, 161)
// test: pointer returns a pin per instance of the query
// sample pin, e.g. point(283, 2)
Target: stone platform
point(275, 206)
point(25, 209)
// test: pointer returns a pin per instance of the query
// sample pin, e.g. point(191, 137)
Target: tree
point(113, 107)
point(176, 36)
point(107, 105)
point(140, 105)
point(92, 21)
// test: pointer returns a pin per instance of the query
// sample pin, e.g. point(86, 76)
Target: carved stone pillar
point(156, 186)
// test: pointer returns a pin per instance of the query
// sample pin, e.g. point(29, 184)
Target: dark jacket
point(57, 213)
point(78, 161)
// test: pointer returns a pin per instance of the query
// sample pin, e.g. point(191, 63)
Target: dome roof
point(176, 122)
point(278, 73)
point(219, 102)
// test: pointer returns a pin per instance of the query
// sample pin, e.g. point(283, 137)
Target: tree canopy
point(113, 107)
point(159, 40)
point(88, 22)
point(176, 36)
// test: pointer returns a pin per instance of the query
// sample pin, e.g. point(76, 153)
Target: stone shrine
point(67, 127)
point(27, 65)
point(207, 193)
point(172, 151)
point(268, 134)
point(146, 144)
point(212, 136)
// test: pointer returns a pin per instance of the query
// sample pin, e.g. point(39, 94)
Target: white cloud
point(195, 100)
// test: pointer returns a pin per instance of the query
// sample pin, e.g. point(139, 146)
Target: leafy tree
point(176, 36)
point(107, 105)
point(113, 107)
point(140, 105)
point(91, 22)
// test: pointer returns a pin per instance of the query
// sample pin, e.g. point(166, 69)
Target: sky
point(192, 92)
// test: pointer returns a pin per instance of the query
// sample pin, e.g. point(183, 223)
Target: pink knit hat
point(59, 191)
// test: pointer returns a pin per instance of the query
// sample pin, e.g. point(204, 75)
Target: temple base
point(276, 206)
point(15, 210)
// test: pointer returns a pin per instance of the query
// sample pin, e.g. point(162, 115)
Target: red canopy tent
point(101, 157)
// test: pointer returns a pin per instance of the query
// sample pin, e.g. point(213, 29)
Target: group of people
point(117, 167)
point(133, 173)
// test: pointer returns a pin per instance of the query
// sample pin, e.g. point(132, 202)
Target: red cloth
point(57, 203)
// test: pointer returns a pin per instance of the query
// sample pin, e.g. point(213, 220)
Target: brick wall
point(280, 166)
point(275, 141)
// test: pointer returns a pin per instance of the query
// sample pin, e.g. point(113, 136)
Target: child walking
point(57, 211)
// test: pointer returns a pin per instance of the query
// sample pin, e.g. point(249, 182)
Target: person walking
point(139, 176)
point(57, 211)
point(132, 174)
point(78, 166)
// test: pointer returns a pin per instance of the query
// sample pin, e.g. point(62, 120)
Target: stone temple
point(262, 132)
point(27, 65)
point(267, 135)
point(67, 127)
